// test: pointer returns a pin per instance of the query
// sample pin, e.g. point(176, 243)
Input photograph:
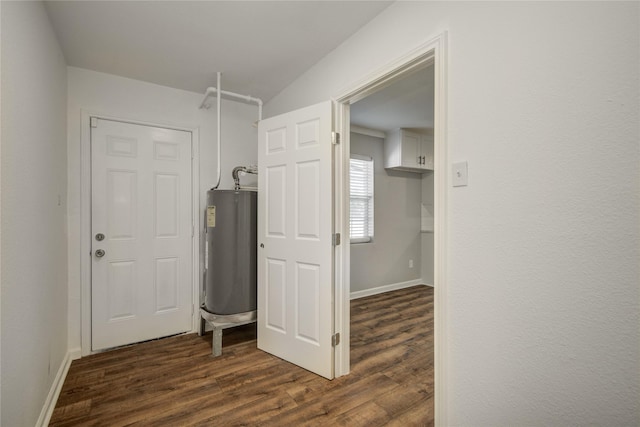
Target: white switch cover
point(459, 174)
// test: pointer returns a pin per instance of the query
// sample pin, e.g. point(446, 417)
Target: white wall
point(34, 258)
point(542, 296)
point(140, 101)
point(385, 260)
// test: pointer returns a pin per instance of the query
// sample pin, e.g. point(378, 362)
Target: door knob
point(100, 253)
point(99, 237)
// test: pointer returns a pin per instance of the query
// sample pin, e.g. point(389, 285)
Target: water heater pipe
point(219, 132)
point(250, 99)
point(218, 91)
point(236, 174)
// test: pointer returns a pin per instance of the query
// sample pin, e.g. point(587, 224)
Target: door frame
point(432, 52)
point(85, 219)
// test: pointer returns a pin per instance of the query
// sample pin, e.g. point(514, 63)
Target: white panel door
point(141, 205)
point(295, 254)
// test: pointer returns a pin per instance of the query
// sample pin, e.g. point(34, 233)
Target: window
point(361, 199)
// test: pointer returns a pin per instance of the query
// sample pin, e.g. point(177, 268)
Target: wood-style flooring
point(175, 381)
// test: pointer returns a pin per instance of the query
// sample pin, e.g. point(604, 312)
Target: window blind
point(361, 199)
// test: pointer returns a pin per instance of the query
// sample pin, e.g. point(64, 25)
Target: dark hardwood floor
point(175, 381)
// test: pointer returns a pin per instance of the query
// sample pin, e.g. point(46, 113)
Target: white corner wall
point(385, 260)
point(33, 224)
point(135, 100)
point(542, 293)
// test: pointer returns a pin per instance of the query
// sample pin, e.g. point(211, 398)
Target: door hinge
point(335, 137)
point(94, 122)
point(335, 339)
point(336, 239)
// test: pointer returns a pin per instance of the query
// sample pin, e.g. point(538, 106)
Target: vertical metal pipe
point(218, 103)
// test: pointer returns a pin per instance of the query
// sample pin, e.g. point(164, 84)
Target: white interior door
point(141, 233)
point(295, 254)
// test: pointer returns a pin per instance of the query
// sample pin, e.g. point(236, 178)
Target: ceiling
point(407, 103)
point(259, 46)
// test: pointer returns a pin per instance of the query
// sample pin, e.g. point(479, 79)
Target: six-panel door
point(295, 254)
point(141, 203)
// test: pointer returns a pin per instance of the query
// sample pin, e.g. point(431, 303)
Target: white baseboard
point(75, 353)
point(385, 288)
point(56, 387)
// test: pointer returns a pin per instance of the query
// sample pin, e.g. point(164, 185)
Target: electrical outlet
point(410, 263)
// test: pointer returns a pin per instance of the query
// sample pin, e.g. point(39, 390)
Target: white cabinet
point(408, 151)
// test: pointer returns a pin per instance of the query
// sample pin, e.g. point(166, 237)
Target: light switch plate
point(459, 174)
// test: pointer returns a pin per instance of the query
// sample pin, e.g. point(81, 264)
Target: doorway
point(392, 134)
point(391, 193)
point(433, 53)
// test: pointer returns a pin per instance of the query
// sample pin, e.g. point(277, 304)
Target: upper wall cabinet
point(408, 151)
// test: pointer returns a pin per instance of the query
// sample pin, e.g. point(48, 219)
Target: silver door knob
point(100, 253)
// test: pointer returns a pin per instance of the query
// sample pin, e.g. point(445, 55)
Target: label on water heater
point(211, 216)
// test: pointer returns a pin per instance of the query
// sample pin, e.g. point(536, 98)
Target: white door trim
point(85, 218)
point(434, 51)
